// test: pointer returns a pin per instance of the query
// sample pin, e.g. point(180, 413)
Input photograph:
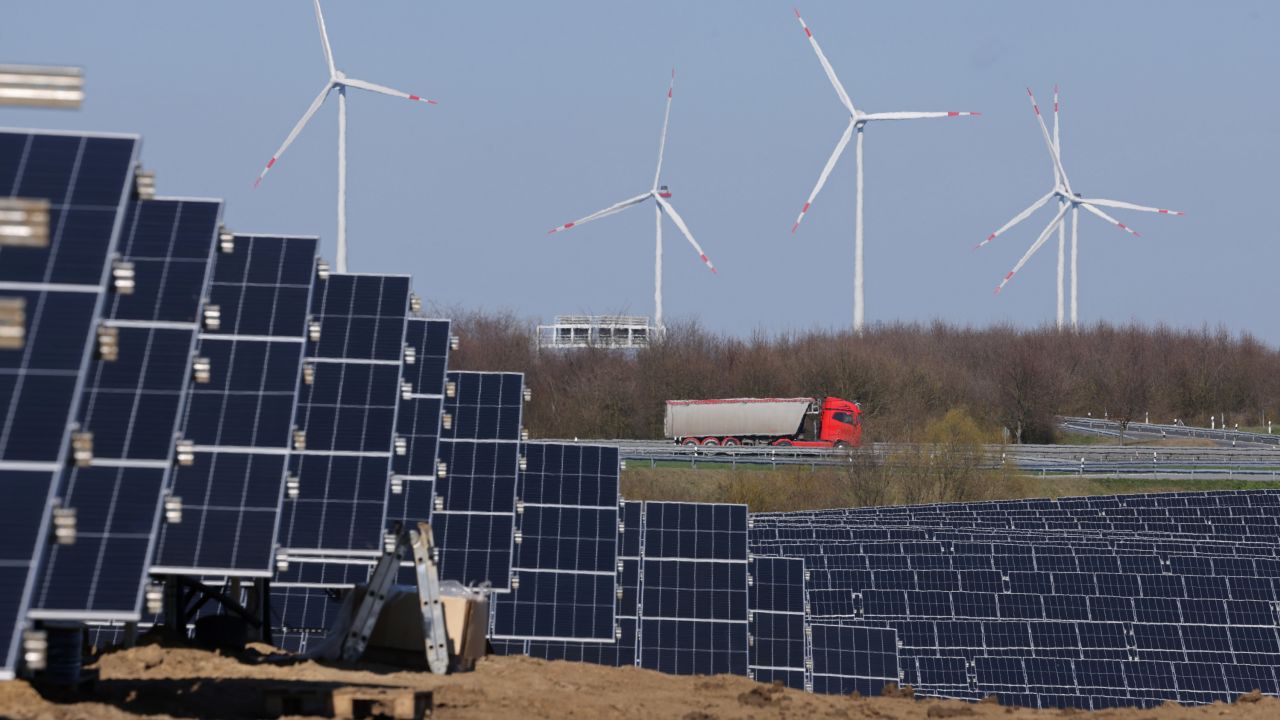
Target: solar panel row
point(62, 288)
point(1051, 617)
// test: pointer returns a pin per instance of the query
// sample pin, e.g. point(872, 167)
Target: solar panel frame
point(474, 513)
point(851, 658)
point(360, 348)
point(692, 605)
point(241, 422)
point(133, 405)
point(29, 477)
point(419, 423)
point(566, 560)
point(778, 605)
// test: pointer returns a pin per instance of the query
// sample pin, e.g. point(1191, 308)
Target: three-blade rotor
point(337, 80)
point(1066, 196)
point(857, 119)
point(656, 193)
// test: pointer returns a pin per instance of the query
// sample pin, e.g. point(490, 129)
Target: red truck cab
point(838, 423)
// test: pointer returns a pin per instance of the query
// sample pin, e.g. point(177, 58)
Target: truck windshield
point(843, 417)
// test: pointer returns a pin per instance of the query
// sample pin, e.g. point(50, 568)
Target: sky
point(549, 111)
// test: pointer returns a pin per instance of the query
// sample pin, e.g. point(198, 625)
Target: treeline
point(1011, 382)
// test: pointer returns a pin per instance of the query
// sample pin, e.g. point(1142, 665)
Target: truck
point(798, 422)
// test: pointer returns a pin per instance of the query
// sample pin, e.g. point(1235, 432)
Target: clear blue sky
point(549, 111)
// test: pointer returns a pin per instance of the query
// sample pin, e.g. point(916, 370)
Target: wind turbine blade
point(662, 144)
point(1130, 206)
point(826, 66)
point(1057, 142)
point(826, 171)
point(1017, 219)
point(1048, 141)
point(293, 134)
point(1110, 219)
point(679, 221)
point(618, 207)
point(1048, 230)
point(916, 115)
point(383, 89)
point(324, 39)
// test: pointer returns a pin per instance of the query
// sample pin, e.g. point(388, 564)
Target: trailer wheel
point(710, 442)
point(783, 443)
point(689, 442)
point(731, 442)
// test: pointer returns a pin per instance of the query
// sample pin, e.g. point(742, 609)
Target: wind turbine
point(857, 122)
point(659, 193)
point(340, 82)
point(1068, 199)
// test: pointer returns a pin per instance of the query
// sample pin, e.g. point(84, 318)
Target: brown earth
point(152, 681)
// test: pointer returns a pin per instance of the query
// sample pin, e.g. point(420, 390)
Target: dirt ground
point(152, 681)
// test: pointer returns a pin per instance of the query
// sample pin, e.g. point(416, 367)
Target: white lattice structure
point(602, 331)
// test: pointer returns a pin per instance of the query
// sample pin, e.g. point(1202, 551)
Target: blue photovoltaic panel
point(241, 420)
point(86, 180)
point(622, 651)
point(348, 416)
point(418, 422)
point(566, 560)
point(132, 405)
point(848, 659)
point(487, 406)
point(474, 519)
point(693, 589)
point(777, 603)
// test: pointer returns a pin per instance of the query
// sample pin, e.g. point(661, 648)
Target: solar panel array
point(1080, 602)
point(217, 405)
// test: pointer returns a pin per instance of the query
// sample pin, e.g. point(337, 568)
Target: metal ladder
point(436, 643)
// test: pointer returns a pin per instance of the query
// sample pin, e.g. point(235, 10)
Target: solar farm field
point(199, 422)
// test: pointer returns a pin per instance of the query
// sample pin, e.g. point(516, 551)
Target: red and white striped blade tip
point(263, 174)
point(419, 98)
point(952, 113)
point(803, 210)
point(558, 228)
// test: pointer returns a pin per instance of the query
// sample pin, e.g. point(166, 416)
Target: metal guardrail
point(1252, 463)
point(1113, 428)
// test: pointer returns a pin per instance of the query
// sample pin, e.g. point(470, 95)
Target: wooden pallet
point(348, 703)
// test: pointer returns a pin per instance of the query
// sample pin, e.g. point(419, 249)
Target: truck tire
point(689, 442)
point(731, 442)
point(710, 442)
point(783, 443)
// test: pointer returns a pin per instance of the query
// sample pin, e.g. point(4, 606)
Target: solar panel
point(346, 417)
point(693, 589)
point(418, 423)
point(131, 402)
point(566, 558)
point(241, 420)
point(622, 651)
point(776, 600)
point(475, 505)
point(86, 180)
point(853, 659)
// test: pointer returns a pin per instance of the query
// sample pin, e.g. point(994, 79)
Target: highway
point(1254, 461)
